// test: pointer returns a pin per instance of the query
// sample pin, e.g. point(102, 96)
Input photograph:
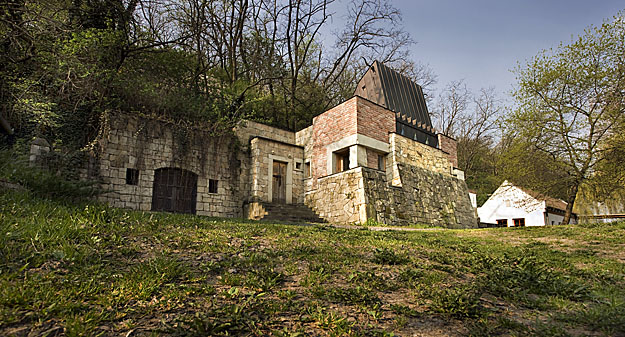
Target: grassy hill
point(87, 269)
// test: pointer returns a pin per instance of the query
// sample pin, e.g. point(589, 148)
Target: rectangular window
point(212, 185)
point(519, 222)
point(381, 162)
point(132, 176)
point(502, 222)
point(341, 160)
point(307, 170)
point(298, 166)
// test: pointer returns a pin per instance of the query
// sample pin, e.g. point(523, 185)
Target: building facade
point(359, 161)
point(512, 206)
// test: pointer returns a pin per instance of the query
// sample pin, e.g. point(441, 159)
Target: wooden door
point(279, 182)
point(175, 190)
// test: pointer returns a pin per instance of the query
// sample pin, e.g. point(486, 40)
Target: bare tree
point(476, 129)
point(451, 106)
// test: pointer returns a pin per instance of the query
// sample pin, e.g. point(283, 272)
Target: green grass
point(88, 269)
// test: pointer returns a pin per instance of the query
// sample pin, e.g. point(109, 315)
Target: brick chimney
point(449, 145)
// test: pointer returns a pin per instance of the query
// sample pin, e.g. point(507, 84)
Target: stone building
point(374, 157)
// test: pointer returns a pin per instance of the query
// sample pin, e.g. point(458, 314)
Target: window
point(341, 160)
point(132, 176)
point(307, 169)
point(381, 162)
point(212, 185)
point(519, 222)
point(298, 166)
point(502, 222)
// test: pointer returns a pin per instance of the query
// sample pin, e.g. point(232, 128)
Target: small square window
point(132, 176)
point(298, 166)
point(341, 160)
point(212, 186)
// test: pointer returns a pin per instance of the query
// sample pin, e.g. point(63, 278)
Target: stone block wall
point(245, 133)
point(410, 152)
point(360, 194)
point(250, 129)
point(146, 144)
point(340, 197)
point(263, 153)
point(426, 197)
point(449, 146)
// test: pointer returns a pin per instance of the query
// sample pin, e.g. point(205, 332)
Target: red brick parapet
point(449, 145)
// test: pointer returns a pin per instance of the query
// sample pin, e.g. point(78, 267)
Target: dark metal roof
point(396, 92)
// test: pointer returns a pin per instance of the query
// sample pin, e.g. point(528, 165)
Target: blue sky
point(480, 41)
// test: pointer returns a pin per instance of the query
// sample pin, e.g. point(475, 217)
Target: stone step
point(290, 213)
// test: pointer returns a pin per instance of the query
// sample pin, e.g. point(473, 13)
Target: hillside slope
point(87, 269)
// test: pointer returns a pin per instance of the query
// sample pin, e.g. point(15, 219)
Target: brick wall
point(372, 158)
point(449, 145)
point(374, 121)
point(355, 116)
point(329, 127)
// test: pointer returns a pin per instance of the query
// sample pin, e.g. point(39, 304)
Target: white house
point(512, 206)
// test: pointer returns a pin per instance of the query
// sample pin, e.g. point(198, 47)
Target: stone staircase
point(290, 213)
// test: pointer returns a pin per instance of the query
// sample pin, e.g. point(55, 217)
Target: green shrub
point(41, 182)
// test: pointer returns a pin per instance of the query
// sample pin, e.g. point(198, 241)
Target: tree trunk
point(570, 203)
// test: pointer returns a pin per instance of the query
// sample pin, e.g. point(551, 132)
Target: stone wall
point(408, 151)
point(145, 144)
point(425, 197)
point(246, 132)
point(362, 194)
point(340, 197)
point(250, 129)
point(263, 153)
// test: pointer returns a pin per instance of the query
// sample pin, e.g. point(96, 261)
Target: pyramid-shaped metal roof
point(396, 92)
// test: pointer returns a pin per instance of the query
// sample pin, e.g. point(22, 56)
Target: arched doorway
point(175, 190)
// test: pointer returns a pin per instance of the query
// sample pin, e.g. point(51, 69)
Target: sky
point(480, 41)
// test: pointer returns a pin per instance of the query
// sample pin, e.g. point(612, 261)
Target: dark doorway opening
point(175, 190)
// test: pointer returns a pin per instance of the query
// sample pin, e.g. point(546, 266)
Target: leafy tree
point(571, 100)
